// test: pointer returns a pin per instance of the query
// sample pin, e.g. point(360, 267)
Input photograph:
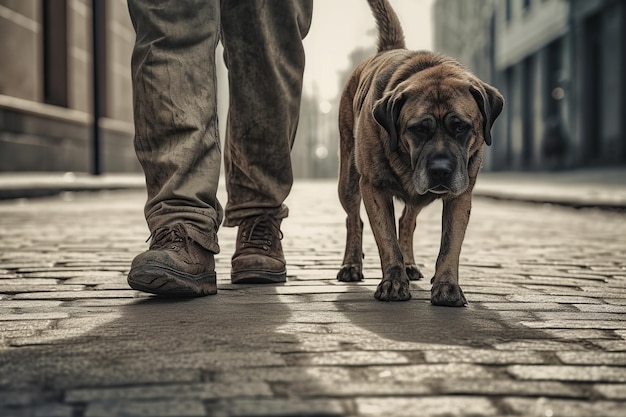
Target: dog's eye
point(420, 128)
point(423, 127)
point(461, 127)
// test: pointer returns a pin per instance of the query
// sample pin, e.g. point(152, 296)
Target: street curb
point(17, 186)
point(575, 204)
point(51, 191)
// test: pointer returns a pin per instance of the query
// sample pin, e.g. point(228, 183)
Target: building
point(560, 66)
point(46, 92)
point(46, 85)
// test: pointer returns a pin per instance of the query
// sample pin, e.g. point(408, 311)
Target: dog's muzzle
point(440, 169)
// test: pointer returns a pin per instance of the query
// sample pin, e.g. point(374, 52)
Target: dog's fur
point(412, 126)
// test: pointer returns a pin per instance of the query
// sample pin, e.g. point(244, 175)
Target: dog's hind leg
point(350, 197)
point(406, 232)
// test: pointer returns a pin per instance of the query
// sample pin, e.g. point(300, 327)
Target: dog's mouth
point(439, 189)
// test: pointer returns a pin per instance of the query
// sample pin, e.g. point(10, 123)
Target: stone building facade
point(46, 85)
point(560, 65)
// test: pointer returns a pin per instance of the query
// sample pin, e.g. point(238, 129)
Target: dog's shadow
point(417, 321)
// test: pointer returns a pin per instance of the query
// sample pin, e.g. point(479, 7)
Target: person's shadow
point(229, 341)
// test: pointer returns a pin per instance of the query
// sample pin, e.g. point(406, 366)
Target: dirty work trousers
point(175, 108)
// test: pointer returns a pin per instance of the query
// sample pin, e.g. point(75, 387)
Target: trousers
point(175, 108)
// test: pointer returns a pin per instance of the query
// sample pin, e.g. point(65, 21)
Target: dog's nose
point(440, 169)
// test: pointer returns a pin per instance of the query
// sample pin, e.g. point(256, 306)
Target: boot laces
point(260, 232)
point(169, 238)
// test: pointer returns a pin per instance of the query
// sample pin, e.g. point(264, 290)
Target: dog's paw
point(393, 290)
point(447, 294)
point(350, 273)
point(413, 272)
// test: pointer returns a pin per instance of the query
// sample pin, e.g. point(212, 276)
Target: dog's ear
point(386, 113)
point(490, 103)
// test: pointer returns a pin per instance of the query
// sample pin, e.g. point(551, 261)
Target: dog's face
point(439, 119)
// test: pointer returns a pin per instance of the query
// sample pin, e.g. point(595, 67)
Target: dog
point(412, 125)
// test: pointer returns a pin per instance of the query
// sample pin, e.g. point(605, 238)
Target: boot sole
point(169, 282)
point(258, 277)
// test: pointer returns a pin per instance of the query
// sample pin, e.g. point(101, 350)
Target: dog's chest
point(400, 186)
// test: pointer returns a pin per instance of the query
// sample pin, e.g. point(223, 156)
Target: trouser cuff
point(207, 240)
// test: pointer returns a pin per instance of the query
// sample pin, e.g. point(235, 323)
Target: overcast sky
point(340, 26)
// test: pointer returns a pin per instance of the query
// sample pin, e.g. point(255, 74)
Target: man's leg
point(177, 143)
point(265, 60)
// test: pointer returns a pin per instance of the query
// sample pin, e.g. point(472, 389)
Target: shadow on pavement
point(220, 350)
point(418, 321)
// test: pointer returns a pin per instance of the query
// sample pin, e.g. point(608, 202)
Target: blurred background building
point(560, 65)
point(46, 85)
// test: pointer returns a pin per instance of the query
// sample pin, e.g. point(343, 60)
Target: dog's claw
point(447, 294)
point(350, 273)
point(413, 272)
point(393, 290)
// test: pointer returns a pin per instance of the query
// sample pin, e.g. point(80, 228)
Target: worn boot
point(258, 257)
point(175, 265)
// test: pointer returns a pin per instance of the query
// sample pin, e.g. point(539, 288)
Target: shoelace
point(260, 232)
point(167, 237)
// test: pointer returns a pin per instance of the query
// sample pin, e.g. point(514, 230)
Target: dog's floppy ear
point(490, 103)
point(386, 113)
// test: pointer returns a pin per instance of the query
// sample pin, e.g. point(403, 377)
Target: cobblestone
point(200, 391)
point(484, 356)
point(425, 406)
point(276, 407)
point(571, 408)
point(157, 408)
point(544, 334)
point(612, 391)
point(593, 358)
point(569, 373)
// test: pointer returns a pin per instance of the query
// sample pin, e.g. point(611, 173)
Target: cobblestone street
point(544, 334)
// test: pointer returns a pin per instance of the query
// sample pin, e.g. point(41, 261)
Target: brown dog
point(412, 126)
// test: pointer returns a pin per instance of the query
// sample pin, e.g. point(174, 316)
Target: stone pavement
point(544, 334)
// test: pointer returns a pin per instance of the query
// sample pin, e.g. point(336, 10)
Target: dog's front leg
point(446, 290)
point(379, 206)
point(406, 232)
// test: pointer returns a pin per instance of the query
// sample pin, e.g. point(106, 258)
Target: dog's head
point(440, 118)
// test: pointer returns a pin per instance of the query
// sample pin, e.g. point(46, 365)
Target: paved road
point(544, 334)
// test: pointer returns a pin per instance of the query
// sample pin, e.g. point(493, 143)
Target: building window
point(100, 58)
point(526, 5)
point(54, 15)
point(509, 75)
point(554, 75)
point(528, 111)
point(591, 93)
point(508, 11)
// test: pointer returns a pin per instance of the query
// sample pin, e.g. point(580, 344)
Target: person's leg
point(177, 142)
point(265, 59)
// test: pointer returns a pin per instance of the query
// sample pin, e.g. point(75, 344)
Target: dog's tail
point(390, 33)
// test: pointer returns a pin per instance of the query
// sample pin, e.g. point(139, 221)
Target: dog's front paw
point(350, 273)
point(447, 294)
point(393, 289)
point(413, 272)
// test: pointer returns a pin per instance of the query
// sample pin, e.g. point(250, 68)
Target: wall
point(46, 125)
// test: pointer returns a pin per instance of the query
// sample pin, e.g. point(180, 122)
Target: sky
point(340, 26)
